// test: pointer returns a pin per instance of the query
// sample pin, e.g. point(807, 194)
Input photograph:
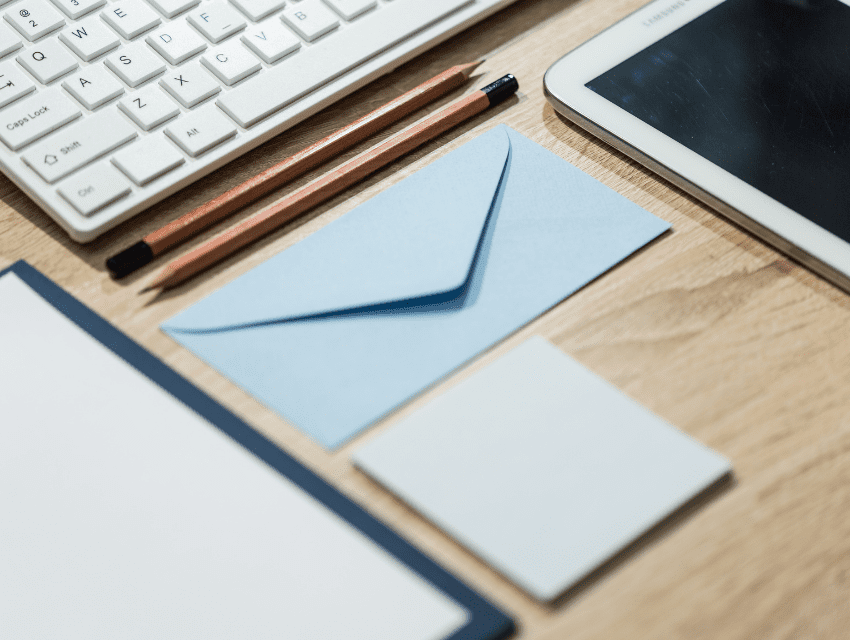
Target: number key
point(258, 9)
point(170, 8)
point(77, 8)
point(34, 18)
point(350, 9)
point(9, 41)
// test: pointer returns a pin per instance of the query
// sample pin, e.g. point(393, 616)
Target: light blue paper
point(338, 330)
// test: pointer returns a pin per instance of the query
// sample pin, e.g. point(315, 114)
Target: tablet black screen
point(762, 89)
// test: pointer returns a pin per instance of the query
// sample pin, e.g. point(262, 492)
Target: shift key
point(78, 145)
point(32, 118)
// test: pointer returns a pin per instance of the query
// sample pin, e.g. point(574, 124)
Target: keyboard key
point(231, 62)
point(149, 107)
point(170, 8)
point(217, 21)
point(77, 8)
point(9, 41)
point(48, 61)
point(14, 83)
point(31, 118)
point(93, 86)
point(198, 132)
point(310, 19)
point(131, 84)
point(350, 9)
point(257, 98)
point(135, 64)
point(258, 9)
point(148, 159)
point(78, 145)
point(34, 18)
point(176, 42)
point(271, 41)
point(130, 18)
point(90, 38)
point(92, 189)
point(190, 84)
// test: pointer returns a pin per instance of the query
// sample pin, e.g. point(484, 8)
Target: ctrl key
point(91, 190)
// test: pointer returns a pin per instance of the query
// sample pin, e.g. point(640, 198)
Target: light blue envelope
point(367, 312)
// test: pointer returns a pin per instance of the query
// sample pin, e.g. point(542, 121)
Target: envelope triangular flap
point(417, 239)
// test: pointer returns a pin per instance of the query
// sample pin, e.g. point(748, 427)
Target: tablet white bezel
point(564, 84)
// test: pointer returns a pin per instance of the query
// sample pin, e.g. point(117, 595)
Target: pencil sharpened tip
point(468, 68)
point(165, 280)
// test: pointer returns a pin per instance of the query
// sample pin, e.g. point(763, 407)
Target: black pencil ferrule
point(132, 258)
point(503, 88)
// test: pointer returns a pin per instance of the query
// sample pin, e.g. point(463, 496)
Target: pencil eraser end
point(501, 90)
point(132, 258)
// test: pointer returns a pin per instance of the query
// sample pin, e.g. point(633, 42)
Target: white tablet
point(745, 104)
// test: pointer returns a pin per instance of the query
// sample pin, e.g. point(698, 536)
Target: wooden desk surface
point(708, 327)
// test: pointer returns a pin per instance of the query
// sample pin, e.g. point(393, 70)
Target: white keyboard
point(107, 107)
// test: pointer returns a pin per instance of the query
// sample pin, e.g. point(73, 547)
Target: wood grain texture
point(708, 327)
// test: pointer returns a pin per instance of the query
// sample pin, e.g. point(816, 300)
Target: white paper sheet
point(125, 515)
point(540, 467)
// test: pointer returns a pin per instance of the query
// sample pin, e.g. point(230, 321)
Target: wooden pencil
point(203, 217)
point(331, 184)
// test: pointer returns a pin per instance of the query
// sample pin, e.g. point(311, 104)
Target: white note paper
point(540, 467)
point(124, 514)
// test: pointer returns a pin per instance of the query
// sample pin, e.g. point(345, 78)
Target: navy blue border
point(485, 621)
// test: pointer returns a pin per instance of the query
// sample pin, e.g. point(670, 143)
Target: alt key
point(91, 190)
